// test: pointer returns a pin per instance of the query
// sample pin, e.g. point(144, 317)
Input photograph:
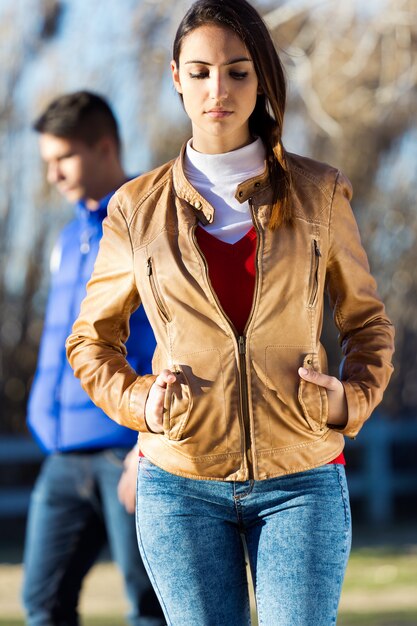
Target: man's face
point(72, 166)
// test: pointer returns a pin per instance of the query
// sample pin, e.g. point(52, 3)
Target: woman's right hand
point(154, 408)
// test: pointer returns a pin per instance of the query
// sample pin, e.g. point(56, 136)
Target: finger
point(156, 398)
point(323, 380)
point(166, 377)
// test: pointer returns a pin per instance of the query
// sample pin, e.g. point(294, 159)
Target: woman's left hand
point(338, 413)
point(126, 489)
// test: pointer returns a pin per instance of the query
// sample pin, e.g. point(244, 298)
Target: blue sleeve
point(43, 404)
point(141, 343)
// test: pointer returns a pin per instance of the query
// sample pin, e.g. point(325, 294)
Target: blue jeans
point(297, 530)
point(74, 506)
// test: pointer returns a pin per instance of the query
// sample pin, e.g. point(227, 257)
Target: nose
point(218, 87)
point(54, 174)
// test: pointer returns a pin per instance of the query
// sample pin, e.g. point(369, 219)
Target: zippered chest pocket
point(314, 273)
point(161, 306)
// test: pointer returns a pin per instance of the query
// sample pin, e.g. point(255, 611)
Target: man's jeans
point(297, 530)
point(73, 506)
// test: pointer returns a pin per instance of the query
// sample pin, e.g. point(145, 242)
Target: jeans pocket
point(145, 467)
point(313, 398)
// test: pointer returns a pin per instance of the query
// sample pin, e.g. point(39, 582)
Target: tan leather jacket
point(238, 409)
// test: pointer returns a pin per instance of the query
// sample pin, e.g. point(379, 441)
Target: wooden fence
point(381, 467)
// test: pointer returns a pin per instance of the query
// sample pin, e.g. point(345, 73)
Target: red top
point(234, 287)
point(232, 273)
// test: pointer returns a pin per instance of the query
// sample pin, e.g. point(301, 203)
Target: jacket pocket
point(314, 273)
point(313, 398)
point(150, 272)
point(177, 405)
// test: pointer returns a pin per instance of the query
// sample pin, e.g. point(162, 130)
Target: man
point(75, 503)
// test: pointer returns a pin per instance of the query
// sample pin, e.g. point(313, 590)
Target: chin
point(73, 196)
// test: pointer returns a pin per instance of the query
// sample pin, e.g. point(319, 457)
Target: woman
point(230, 248)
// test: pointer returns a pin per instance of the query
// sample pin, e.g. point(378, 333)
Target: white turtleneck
point(216, 177)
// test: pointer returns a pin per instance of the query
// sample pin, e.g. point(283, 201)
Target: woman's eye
point(238, 75)
point(198, 74)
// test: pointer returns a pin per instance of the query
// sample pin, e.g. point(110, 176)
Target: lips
point(218, 113)
point(66, 191)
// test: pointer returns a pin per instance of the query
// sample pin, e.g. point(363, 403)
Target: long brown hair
point(267, 118)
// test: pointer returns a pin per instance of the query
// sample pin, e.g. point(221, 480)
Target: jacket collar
point(97, 215)
point(203, 210)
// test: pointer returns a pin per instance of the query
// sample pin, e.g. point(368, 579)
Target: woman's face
point(219, 86)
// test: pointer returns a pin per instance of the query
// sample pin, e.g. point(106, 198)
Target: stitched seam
point(117, 323)
point(337, 313)
point(216, 350)
point(149, 569)
point(312, 179)
point(142, 199)
point(308, 220)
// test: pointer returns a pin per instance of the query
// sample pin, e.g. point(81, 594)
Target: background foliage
point(352, 72)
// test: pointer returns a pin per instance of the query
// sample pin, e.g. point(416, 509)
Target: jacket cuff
point(357, 410)
point(138, 397)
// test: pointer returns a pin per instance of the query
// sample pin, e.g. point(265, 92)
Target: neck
point(112, 181)
point(209, 144)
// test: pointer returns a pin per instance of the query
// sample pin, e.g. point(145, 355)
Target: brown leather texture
point(238, 409)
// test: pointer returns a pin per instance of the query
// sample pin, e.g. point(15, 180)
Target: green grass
point(407, 618)
point(403, 618)
point(379, 568)
point(115, 620)
point(380, 590)
point(373, 619)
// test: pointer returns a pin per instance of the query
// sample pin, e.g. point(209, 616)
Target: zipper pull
point(242, 345)
point(316, 248)
point(149, 267)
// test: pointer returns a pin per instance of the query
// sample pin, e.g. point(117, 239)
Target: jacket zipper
point(314, 273)
point(249, 451)
point(244, 404)
point(155, 292)
point(242, 362)
point(241, 343)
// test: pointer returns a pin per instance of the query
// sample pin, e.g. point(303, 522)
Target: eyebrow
point(231, 62)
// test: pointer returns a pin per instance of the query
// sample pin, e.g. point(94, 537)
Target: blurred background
point(352, 71)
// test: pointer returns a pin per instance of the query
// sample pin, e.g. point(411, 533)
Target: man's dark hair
point(81, 115)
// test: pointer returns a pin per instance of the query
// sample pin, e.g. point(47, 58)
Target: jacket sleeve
point(96, 348)
point(366, 334)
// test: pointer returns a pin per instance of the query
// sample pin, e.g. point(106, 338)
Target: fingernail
point(303, 371)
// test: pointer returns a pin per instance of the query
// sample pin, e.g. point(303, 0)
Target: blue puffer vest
point(61, 416)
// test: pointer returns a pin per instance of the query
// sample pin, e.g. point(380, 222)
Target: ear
point(259, 90)
point(105, 146)
point(176, 76)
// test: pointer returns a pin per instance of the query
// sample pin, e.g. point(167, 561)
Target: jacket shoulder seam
point(146, 195)
point(315, 180)
point(338, 312)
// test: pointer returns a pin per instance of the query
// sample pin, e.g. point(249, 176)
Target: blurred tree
point(155, 25)
point(352, 102)
point(352, 71)
point(19, 325)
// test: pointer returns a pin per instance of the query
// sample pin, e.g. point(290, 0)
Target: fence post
point(378, 472)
